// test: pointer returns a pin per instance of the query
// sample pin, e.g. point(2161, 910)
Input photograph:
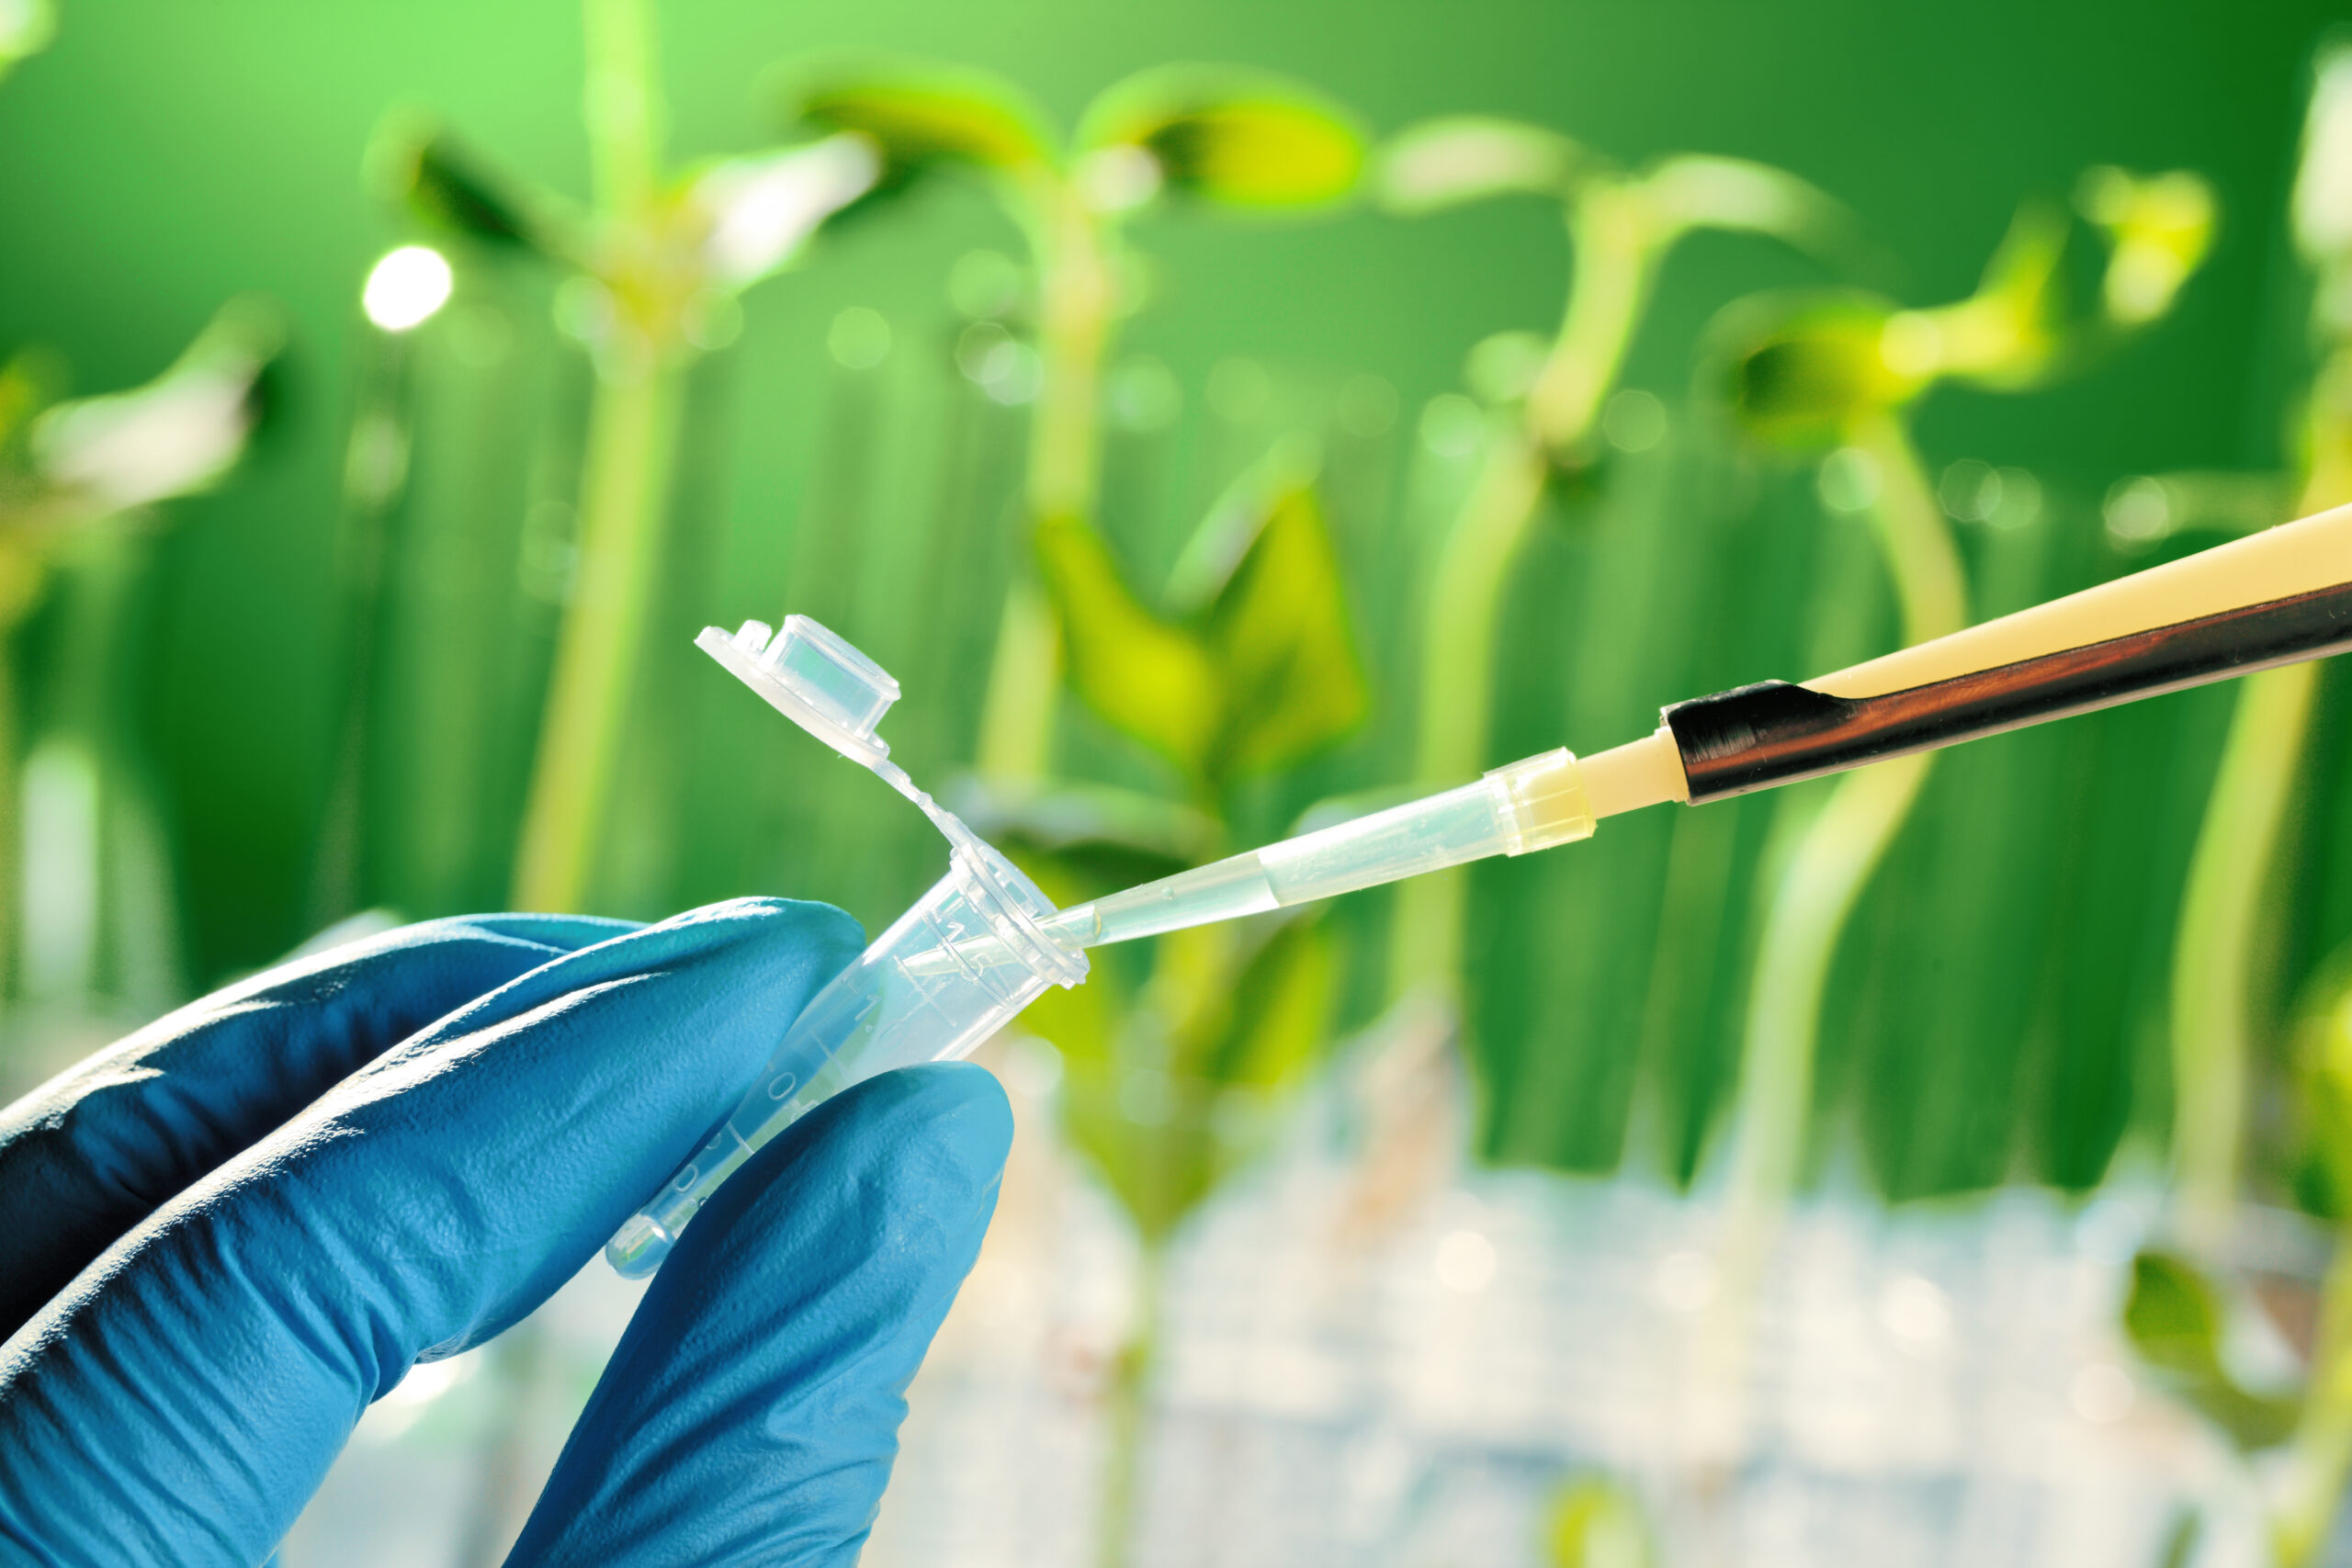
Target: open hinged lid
point(838, 695)
point(814, 679)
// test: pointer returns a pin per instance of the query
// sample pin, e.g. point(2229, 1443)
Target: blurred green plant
point(80, 478)
point(1839, 371)
point(1244, 670)
point(2217, 957)
point(2223, 965)
point(2179, 1319)
point(1212, 138)
point(1255, 675)
point(1173, 1073)
point(655, 266)
point(2176, 1321)
point(1547, 409)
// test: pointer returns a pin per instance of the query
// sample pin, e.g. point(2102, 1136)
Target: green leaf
point(1280, 636)
point(2009, 334)
point(1446, 162)
point(2323, 1057)
point(1690, 191)
point(29, 382)
point(1156, 681)
point(2159, 230)
point(1595, 1523)
point(1222, 134)
point(2174, 1318)
point(755, 212)
point(1234, 519)
point(176, 434)
point(415, 162)
point(1802, 371)
point(919, 114)
point(1263, 678)
point(1280, 1010)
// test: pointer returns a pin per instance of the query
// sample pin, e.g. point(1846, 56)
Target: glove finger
point(185, 1395)
point(752, 1411)
point(98, 1149)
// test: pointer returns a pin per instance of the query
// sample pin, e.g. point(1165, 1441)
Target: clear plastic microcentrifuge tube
point(875, 1015)
point(979, 933)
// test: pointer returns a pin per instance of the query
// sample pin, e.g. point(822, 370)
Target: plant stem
point(2214, 948)
point(2267, 730)
point(621, 102)
point(633, 428)
point(1130, 1410)
point(1616, 255)
point(1076, 294)
point(1024, 675)
point(1614, 258)
point(2237, 845)
point(1457, 684)
point(1841, 847)
point(1074, 309)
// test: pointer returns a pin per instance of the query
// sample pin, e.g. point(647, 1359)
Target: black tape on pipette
point(1774, 733)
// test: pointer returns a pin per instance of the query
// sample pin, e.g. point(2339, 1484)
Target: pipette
point(984, 942)
point(2273, 598)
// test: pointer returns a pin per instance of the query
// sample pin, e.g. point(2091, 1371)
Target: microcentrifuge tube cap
point(813, 678)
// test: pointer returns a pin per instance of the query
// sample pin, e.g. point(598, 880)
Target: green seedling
point(1212, 138)
point(1623, 224)
point(655, 266)
point(2174, 1319)
point(1253, 679)
point(1840, 372)
point(2219, 955)
point(2216, 953)
point(81, 479)
point(1246, 670)
point(1172, 1076)
point(81, 482)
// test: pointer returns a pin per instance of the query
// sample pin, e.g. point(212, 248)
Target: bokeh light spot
point(1634, 421)
point(1465, 1262)
point(406, 288)
point(859, 338)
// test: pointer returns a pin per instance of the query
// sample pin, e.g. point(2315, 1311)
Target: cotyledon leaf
point(1281, 636)
point(1156, 681)
point(1233, 136)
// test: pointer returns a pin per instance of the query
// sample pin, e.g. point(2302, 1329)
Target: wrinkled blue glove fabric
point(228, 1234)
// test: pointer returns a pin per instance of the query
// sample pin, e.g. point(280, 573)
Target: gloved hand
point(222, 1238)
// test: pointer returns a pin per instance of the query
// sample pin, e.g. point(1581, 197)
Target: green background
point(161, 157)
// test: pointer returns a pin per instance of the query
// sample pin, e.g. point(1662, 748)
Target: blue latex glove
point(227, 1236)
